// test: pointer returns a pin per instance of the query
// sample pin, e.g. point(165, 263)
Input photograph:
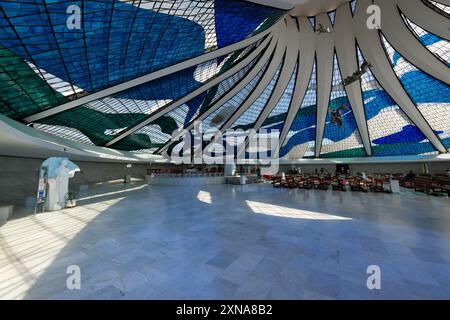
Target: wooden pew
point(422, 183)
point(441, 184)
point(290, 183)
point(305, 183)
point(324, 183)
point(377, 184)
point(339, 185)
point(359, 185)
point(277, 182)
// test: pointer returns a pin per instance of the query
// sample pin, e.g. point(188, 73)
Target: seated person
point(293, 171)
point(410, 175)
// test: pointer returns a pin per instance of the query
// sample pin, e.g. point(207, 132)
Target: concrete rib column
point(305, 68)
point(235, 90)
point(263, 83)
point(423, 16)
point(324, 51)
point(373, 51)
point(404, 41)
point(290, 61)
point(211, 83)
point(348, 64)
point(151, 76)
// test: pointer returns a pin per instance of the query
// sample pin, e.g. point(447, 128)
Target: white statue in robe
point(60, 170)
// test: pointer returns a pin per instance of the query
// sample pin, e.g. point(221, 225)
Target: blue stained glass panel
point(236, 19)
point(438, 46)
point(276, 118)
point(117, 41)
point(390, 130)
point(343, 139)
point(431, 96)
point(249, 117)
point(300, 141)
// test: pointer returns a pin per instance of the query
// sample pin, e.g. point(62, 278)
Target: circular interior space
point(225, 150)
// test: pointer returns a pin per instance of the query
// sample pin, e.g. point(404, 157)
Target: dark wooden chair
point(339, 185)
point(324, 183)
point(377, 184)
point(305, 183)
point(290, 183)
point(359, 185)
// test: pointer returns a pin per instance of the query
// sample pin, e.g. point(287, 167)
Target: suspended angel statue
point(336, 115)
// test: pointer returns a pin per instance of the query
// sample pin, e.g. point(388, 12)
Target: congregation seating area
point(438, 185)
point(337, 182)
point(432, 185)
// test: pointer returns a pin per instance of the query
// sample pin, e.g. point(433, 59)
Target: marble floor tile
point(248, 242)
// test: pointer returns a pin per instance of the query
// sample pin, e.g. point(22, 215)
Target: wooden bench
point(314, 181)
point(290, 183)
point(277, 182)
point(359, 185)
point(339, 185)
point(422, 183)
point(324, 184)
point(378, 184)
point(305, 183)
point(441, 184)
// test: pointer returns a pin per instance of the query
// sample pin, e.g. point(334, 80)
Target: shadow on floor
point(230, 242)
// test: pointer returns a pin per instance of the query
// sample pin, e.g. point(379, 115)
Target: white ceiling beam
point(233, 91)
point(324, 51)
point(373, 51)
point(314, 7)
point(280, 4)
point(404, 41)
point(173, 105)
point(422, 15)
point(444, 2)
point(262, 84)
point(345, 44)
point(290, 61)
point(304, 73)
point(150, 77)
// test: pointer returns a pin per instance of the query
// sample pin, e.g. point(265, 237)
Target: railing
point(186, 175)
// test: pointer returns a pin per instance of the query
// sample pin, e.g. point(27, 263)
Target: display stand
point(41, 194)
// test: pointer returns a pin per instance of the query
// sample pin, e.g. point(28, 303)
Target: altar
point(186, 179)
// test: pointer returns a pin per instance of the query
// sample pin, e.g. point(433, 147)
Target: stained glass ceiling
point(125, 74)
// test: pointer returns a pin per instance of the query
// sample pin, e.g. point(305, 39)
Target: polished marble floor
point(230, 242)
